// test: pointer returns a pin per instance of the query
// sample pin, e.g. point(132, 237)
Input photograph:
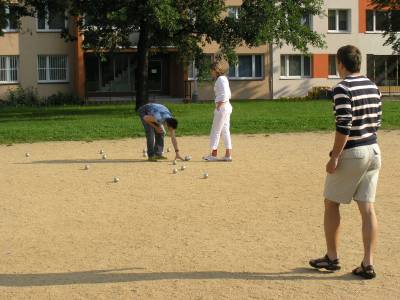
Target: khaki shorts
point(356, 176)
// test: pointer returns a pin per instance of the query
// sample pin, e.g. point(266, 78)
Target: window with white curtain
point(295, 66)
point(53, 68)
point(9, 66)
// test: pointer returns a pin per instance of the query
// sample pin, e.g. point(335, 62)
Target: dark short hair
point(172, 122)
point(350, 57)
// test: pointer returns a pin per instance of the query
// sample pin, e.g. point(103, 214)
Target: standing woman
point(222, 112)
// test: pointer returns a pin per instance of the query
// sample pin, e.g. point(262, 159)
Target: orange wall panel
point(363, 6)
point(320, 65)
point(80, 80)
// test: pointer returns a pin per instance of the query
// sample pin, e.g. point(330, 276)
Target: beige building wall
point(368, 43)
point(9, 45)
point(28, 44)
point(241, 88)
point(32, 44)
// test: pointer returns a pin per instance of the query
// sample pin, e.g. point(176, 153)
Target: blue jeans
point(155, 140)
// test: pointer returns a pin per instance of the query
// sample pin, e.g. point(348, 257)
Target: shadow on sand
point(90, 161)
point(122, 275)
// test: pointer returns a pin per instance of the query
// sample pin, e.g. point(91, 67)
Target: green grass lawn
point(27, 124)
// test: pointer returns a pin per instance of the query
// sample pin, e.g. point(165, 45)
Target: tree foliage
point(187, 25)
point(392, 24)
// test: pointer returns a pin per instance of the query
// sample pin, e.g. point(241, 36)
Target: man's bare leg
point(369, 230)
point(331, 227)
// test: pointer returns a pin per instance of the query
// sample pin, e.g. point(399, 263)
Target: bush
point(296, 99)
point(63, 99)
point(320, 92)
point(29, 97)
point(23, 96)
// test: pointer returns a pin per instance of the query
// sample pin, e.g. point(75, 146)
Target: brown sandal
point(325, 263)
point(367, 272)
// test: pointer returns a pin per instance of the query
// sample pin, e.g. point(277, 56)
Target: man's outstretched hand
point(178, 156)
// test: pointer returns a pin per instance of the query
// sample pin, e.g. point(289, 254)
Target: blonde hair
point(220, 67)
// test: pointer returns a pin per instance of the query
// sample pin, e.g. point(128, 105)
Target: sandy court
point(246, 232)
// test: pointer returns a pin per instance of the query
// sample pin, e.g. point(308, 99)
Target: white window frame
point(46, 24)
point(373, 24)
point(235, 9)
point(8, 69)
point(336, 10)
point(287, 76)
point(48, 80)
point(7, 29)
point(195, 71)
point(253, 68)
point(330, 76)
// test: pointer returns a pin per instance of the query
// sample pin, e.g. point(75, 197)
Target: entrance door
point(155, 75)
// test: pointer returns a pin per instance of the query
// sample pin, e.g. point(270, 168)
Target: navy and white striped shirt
point(357, 108)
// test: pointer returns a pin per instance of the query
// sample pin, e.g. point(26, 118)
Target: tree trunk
point(142, 71)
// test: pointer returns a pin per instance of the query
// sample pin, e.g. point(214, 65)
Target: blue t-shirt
point(158, 111)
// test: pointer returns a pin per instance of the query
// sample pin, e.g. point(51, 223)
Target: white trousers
point(220, 126)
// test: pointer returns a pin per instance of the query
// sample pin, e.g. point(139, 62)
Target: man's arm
point(340, 142)
point(344, 116)
point(380, 111)
point(175, 143)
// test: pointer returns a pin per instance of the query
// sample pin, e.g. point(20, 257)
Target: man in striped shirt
point(353, 167)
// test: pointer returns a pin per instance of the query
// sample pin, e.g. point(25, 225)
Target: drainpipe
point(271, 71)
point(195, 94)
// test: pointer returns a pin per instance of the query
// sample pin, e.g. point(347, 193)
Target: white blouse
point(222, 90)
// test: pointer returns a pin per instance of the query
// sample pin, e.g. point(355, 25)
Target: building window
point(378, 21)
point(233, 12)
point(338, 20)
point(248, 67)
point(9, 66)
point(295, 66)
point(193, 71)
point(395, 20)
point(11, 19)
point(52, 68)
point(384, 70)
point(306, 20)
point(51, 21)
point(333, 73)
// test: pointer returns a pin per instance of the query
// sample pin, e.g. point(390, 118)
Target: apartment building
point(35, 56)
point(167, 76)
point(346, 22)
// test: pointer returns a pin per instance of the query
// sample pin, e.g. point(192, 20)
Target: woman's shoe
point(226, 158)
point(210, 158)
